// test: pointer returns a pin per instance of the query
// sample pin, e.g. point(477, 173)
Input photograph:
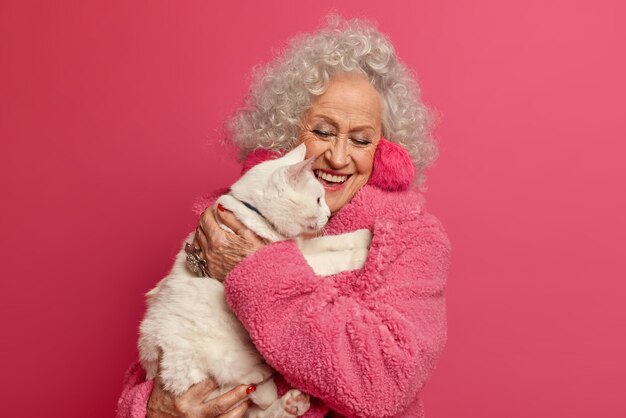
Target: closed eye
point(322, 134)
point(361, 142)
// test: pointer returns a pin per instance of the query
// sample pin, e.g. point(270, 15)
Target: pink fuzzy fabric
point(362, 342)
point(393, 167)
point(365, 341)
point(134, 398)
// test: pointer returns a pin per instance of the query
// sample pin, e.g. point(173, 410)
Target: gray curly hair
point(283, 90)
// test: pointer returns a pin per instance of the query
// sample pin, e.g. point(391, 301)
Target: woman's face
point(341, 131)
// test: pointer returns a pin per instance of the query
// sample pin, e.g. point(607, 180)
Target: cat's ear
point(295, 155)
point(295, 172)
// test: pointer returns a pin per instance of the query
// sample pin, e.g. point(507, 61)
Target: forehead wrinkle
point(350, 104)
point(338, 121)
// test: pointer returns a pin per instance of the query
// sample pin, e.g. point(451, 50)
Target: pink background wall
point(108, 119)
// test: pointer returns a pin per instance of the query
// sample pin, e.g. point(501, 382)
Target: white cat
point(188, 323)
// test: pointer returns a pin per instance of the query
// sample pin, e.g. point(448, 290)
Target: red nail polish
point(250, 389)
point(220, 207)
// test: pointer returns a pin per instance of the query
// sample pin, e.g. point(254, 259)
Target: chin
point(334, 208)
point(337, 200)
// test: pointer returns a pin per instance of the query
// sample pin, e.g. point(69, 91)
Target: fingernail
point(250, 389)
point(221, 209)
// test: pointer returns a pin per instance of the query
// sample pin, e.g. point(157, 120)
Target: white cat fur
point(188, 324)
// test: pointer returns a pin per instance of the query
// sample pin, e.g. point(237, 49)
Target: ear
point(258, 156)
point(294, 172)
point(393, 167)
point(296, 155)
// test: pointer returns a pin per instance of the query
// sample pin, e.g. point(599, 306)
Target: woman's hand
point(222, 250)
point(191, 404)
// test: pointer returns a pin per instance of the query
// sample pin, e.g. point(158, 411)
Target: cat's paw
point(258, 374)
point(295, 403)
point(358, 258)
point(361, 238)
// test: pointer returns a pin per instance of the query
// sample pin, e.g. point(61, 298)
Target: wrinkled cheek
point(314, 146)
point(369, 164)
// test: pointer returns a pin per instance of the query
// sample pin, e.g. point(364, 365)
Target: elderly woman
point(362, 343)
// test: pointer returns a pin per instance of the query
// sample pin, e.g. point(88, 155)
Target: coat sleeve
point(364, 341)
point(136, 391)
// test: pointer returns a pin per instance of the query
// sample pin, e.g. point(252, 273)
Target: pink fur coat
point(363, 342)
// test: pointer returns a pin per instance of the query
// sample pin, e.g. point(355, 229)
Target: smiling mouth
point(331, 179)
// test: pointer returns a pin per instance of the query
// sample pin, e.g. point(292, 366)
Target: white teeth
point(330, 177)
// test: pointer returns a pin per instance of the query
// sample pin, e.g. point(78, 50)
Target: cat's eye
point(318, 200)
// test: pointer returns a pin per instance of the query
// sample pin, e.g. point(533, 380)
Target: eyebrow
point(332, 122)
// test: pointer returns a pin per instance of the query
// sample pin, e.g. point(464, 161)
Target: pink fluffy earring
point(393, 167)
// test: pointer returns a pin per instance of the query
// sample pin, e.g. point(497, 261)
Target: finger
point(238, 411)
point(200, 240)
point(200, 390)
point(227, 218)
point(251, 237)
point(209, 232)
point(226, 401)
point(207, 220)
point(158, 383)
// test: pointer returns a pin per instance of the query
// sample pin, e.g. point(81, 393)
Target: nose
point(337, 154)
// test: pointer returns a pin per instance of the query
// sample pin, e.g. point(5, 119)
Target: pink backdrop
point(108, 119)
